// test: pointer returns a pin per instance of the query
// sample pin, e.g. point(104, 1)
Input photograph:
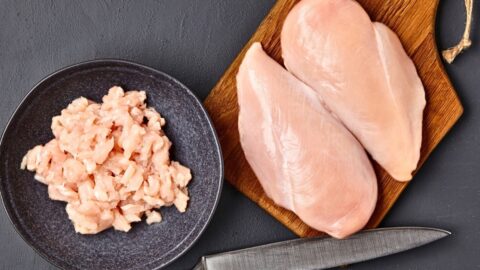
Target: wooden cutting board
point(414, 22)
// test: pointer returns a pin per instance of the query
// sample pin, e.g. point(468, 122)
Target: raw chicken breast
point(305, 159)
point(363, 74)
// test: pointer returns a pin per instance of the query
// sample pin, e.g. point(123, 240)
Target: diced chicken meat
point(110, 162)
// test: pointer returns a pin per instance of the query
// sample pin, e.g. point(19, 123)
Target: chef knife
point(323, 252)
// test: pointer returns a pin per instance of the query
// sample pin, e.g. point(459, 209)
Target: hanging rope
point(450, 54)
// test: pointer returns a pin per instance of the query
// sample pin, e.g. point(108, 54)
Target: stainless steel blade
point(324, 252)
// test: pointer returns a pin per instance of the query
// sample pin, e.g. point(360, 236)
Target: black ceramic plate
point(44, 224)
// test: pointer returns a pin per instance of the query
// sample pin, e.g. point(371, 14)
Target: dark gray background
point(194, 41)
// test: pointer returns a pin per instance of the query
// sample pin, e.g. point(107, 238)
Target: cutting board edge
point(394, 200)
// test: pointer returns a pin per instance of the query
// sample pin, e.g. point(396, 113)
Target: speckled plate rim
point(8, 209)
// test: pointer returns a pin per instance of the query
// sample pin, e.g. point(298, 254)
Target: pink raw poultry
point(363, 74)
point(305, 159)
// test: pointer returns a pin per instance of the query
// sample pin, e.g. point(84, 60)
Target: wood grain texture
point(414, 22)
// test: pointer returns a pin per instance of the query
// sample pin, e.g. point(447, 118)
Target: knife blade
point(323, 252)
